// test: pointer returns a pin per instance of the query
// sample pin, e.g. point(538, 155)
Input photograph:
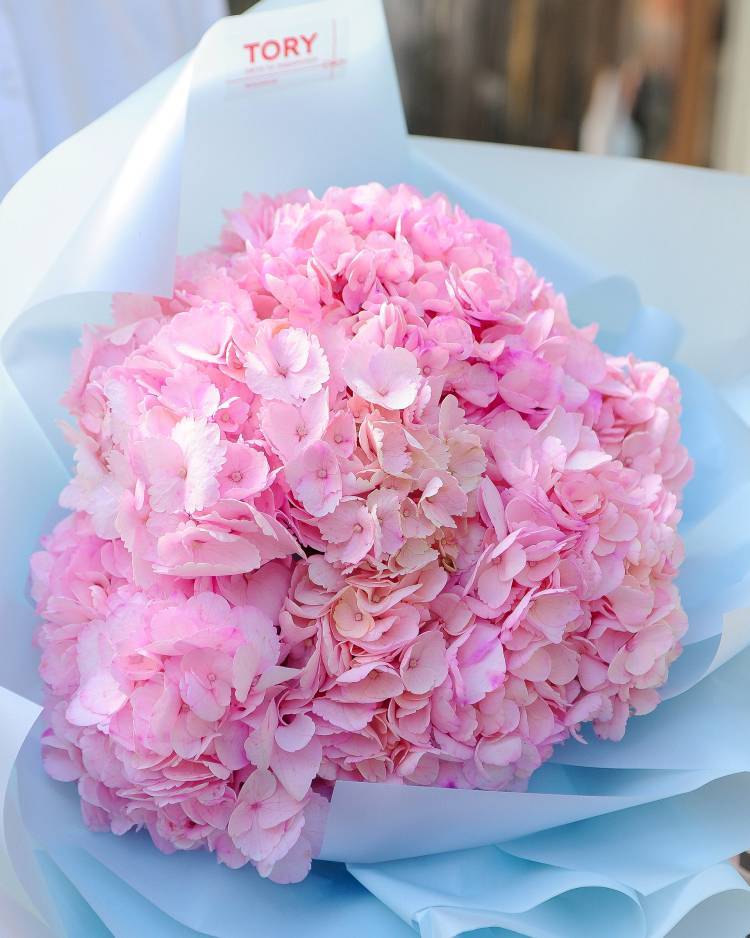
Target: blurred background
point(628, 77)
point(661, 79)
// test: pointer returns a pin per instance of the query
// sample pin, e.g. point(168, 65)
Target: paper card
point(305, 96)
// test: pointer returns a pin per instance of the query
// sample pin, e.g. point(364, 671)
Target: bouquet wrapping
point(623, 832)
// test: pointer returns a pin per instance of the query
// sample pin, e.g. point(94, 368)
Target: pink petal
point(631, 606)
point(295, 735)
point(552, 612)
point(296, 770)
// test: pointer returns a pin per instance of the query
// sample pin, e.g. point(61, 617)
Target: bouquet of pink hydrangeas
point(356, 502)
point(367, 550)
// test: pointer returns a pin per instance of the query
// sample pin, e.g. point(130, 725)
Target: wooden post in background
point(690, 138)
point(731, 137)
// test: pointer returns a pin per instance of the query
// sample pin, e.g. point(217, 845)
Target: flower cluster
point(357, 502)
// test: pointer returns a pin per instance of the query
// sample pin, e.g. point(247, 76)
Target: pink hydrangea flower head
point(357, 502)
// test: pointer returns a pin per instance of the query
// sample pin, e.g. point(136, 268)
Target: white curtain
point(65, 62)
